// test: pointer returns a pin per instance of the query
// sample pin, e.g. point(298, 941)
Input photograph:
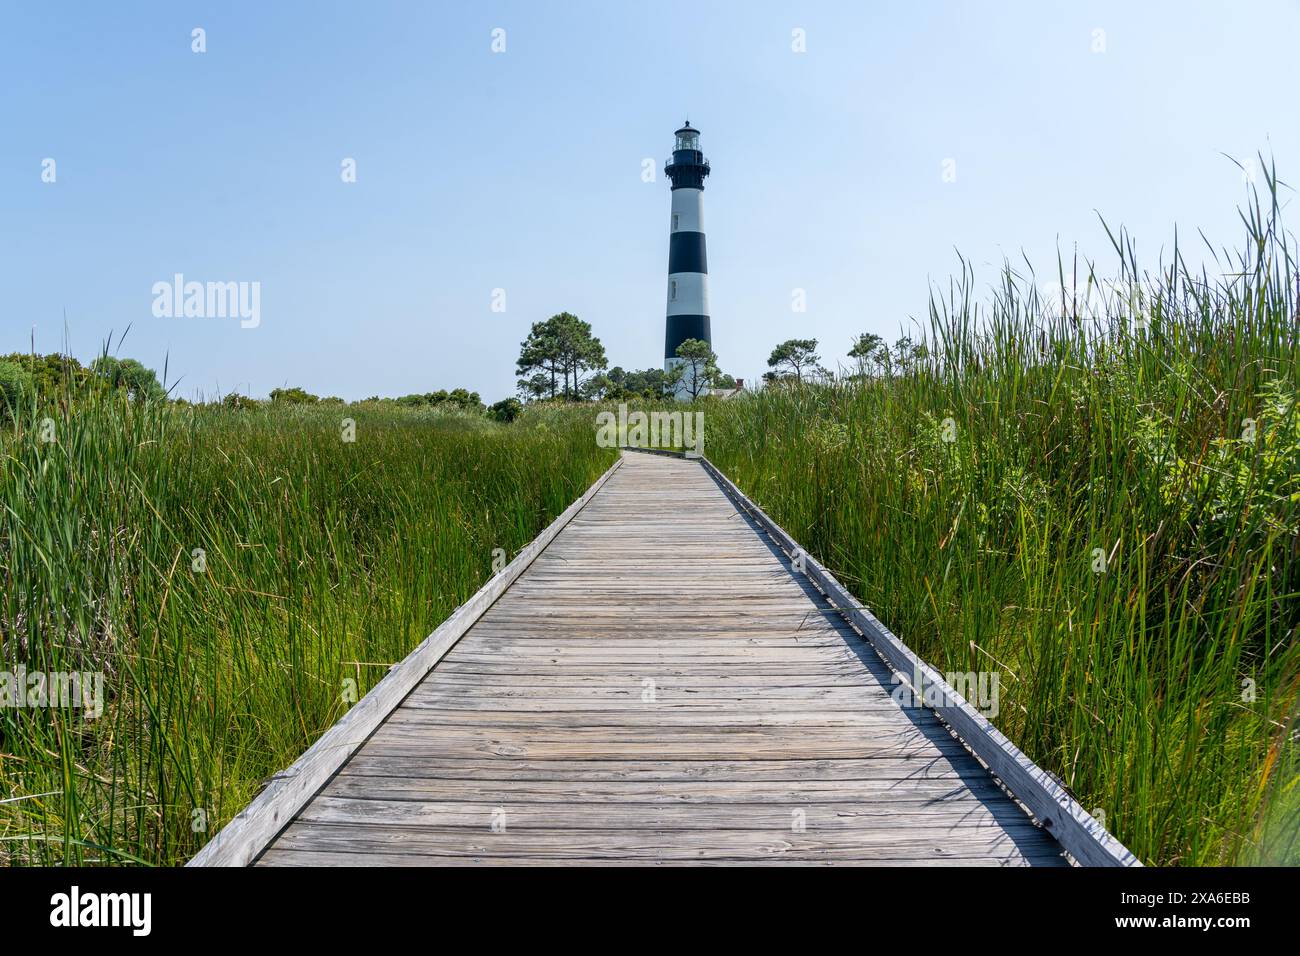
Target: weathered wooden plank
point(460, 741)
point(650, 845)
point(425, 858)
point(890, 821)
point(485, 769)
point(628, 707)
point(665, 718)
point(770, 736)
point(245, 836)
point(663, 673)
point(935, 793)
point(1083, 837)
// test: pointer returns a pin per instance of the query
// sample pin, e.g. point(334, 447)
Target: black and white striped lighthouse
point(688, 271)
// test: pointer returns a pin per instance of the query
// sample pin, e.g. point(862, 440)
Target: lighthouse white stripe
point(688, 210)
point(692, 294)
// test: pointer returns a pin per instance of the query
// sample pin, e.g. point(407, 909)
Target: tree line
point(55, 378)
point(561, 359)
point(797, 359)
point(28, 378)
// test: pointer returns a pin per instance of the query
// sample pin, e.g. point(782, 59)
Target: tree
point(654, 383)
point(293, 396)
point(539, 354)
point(698, 367)
point(794, 355)
point(869, 351)
point(650, 383)
point(564, 348)
point(536, 386)
point(598, 387)
point(16, 387)
point(615, 383)
point(906, 352)
point(139, 382)
point(50, 373)
point(579, 350)
point(458, 397)
point(464, 399)
point(505, 411)
point(236, 401)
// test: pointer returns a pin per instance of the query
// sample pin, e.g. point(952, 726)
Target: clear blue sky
point(522, 170)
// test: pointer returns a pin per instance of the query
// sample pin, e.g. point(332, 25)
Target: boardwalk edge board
point(241, 840)
point(1076, 830)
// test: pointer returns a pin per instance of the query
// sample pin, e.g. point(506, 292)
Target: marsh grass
point(1096, 496)
point(324, 561)
point(1102, 505)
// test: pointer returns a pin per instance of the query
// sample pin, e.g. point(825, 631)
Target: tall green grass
point(1104, 508)
point(324, 561)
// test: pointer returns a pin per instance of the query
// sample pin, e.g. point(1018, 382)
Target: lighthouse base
point(686, 384)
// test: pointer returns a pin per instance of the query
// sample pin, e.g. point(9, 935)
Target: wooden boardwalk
point(657, 686)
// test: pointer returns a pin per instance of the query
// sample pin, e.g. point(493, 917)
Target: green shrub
point(16, 387)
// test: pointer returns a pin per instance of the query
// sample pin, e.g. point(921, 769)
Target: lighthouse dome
point(688, 137)
point(687, 166)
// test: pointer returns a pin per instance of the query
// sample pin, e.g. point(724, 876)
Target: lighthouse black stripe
point(687, 169)
point(683, 327)
point(686, 253)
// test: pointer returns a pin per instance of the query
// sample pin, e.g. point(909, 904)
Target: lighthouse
point(688, 271)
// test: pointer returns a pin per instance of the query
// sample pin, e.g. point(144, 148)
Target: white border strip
point(241, 840)
point(1074, 828)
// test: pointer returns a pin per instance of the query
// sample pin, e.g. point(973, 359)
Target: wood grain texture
point(240, 841)
point(657, 687)
point(1082, 836)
